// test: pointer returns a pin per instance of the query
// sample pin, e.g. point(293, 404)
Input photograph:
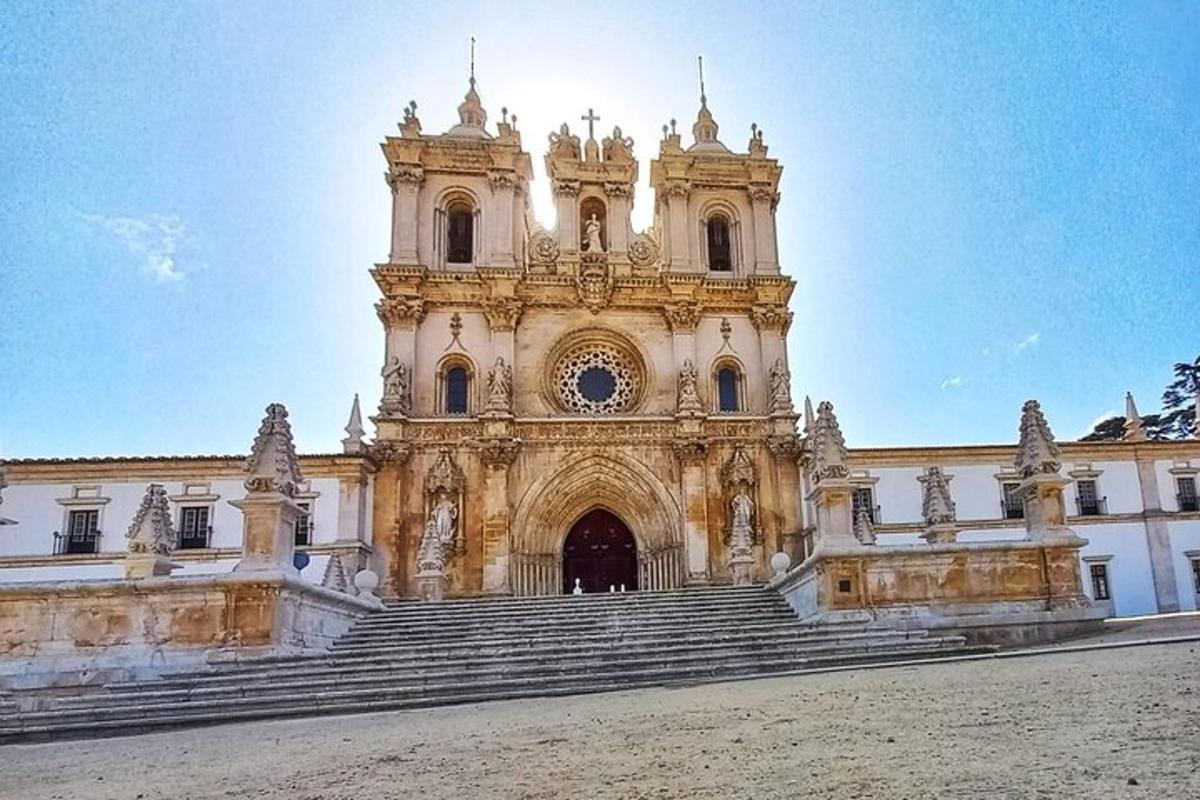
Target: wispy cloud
point(953, 381)
point(155, 239)
point(1029, 341)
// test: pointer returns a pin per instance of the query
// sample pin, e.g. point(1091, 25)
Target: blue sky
point(982, 202)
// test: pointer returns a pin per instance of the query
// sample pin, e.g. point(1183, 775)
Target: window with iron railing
point(194, 531)
point(1186, 494)
point(1196, 574)
point(304, 525)
point(83, 533)
point(1011, 506)
point(1088, 501)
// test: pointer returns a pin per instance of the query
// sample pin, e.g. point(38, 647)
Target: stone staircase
point(414, 655)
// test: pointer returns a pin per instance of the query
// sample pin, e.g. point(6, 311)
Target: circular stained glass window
point(595, 378)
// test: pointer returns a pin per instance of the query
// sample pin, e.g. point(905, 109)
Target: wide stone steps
point(415, 655)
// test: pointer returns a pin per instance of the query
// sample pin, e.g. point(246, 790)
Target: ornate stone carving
point(937, 508)
point(152, 531)
point(643, 250)
point(564, 145)
point(829, 454)
point(444, 477)
point(566, 187)
point(543, 249)
point(864, 529)
point(272, 465)
point(771, 317)
point(689, 397)
point(401, 312)
point(689, 449)
point(764, 194)
point(443, 503)
point(335, 575)
point(1037, 451)
point(499, 452)
point(594, 281)
point(397, 388)
point(500, 387)
point(404, 174)
point(617, 189)
point(501, 180)
point(617, 149)
point(411, 126)
point(390, 452)
point(608, 363)
point(739, 472)
point(783, 446)
point(781, 388)
point(502, 313)
point(683, 316)
point(677, 188)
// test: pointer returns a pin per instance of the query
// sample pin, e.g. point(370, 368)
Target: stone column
point(502, 184)
point(1158, 538)
point(618, 219)
point(763, 200)
point(498, 453)
point(406, 184)
point(565, 193)
point(691, 450)
point(391, 518)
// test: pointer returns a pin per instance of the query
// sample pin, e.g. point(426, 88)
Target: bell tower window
point(728, 381)
point(460, 234)
point(720, 257)
point(457, 384)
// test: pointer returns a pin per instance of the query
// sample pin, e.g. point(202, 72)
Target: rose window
point(595, 378)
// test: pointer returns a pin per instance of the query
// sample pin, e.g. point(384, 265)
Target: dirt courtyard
point(1112, 723)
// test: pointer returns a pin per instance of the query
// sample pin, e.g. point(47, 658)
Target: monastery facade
point(595, 408)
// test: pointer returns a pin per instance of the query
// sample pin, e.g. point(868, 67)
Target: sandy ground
point(1114, 723)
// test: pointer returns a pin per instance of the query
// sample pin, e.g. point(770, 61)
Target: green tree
point(1178, 417)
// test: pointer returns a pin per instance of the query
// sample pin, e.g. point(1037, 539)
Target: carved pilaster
point(690, 449)
point(390, 452)
point(501, 180)
point(400, 312)
point(682, 317)
point(502, 313)
point(400, 175)
point(618, 190)
point(771, 317)
point(677, 188)
point(566, 187)
point(499, 453)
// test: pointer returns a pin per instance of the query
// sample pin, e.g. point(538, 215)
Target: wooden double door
point(601, 552)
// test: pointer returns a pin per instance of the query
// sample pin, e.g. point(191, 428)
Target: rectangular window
point(193, 527)
point(304, 525)
point(1186, 494)
point(1013, 507)
point(1090, 503)
point(83, 534)
point(864, 500)
point(1196, 574)
point(1100, 582)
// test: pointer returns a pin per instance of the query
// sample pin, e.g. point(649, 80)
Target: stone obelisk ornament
point(151, 537)
point(269, 512)
point(1041, 490)
point(937, 509)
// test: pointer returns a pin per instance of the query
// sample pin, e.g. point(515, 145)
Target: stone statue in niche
point(781, 393)
point(741, 539)
point(591, 235)
point(743, 510)
point(443, 518)
point(396, 385)
point(689, 397)
point(500, 386)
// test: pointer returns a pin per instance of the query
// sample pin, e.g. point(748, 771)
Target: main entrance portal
point(601, 552)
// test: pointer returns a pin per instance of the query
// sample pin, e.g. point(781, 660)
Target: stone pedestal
point(431, 586)
point(268, 533)
point(147, 565)
point(1045, 508)
point(833, 500)
point(742, 568)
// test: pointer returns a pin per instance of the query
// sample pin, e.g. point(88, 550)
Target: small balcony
point(1092, 507)
point(1188, 502)
point(200, 539)
point(1010, 509)
point(72, 543)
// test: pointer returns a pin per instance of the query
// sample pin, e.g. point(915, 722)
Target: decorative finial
point(1037, 451)
point(472, 62)
point(664, 131)
point(936, 506)
point(504, 114)
point(591, 119)
point(151, 530)
point(700, 61)
point(353, 443)
point(828, 446)
point(271, 465)
point(672, 126)
point(1134, 430)
point(809, 416)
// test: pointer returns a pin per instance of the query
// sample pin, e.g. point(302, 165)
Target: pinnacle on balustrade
point(272, 465)
point(936, 506)
point(864, 529)
point(1037, 451)
point(1135, 431)
point(353, 443)
point(151, 530)
point(828, 447)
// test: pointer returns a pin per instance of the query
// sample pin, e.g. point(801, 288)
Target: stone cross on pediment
point(591, 119)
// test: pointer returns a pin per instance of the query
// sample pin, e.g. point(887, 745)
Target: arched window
point(457, 386)
point(460, 233)
point(727, 389)
point(720, 250)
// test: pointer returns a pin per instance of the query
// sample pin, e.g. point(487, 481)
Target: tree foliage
point(1177, 419)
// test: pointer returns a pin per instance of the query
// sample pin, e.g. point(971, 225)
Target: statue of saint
point(500, 386)
point(781, 393)
point(442, 518)
point(689, 398)
point(591, 233)
point(395, 383)
point(741, 532)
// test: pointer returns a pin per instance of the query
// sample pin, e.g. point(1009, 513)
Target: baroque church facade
point(596, 408)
